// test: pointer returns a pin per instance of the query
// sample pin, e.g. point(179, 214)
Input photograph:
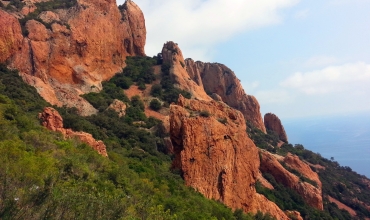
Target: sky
point(299, 58)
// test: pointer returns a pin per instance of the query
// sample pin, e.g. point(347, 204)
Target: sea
point(346, 138)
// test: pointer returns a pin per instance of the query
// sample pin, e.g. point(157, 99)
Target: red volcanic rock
point(218, 78)
point(88, 45)
point(52, 120)
point(215, 154)
point(273, 123)
point(295, 163)
point(10, 35)
point(311, 194)
point(172, 55)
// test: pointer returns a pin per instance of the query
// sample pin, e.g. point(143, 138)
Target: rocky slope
point(52, 120)
point(215, 155)
point(84, 45)
point(172, 55)
point(273, 123)
point(311, 194)
point(219, 79)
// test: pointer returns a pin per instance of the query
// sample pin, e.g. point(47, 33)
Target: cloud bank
point(348, 78)
point(198, 25)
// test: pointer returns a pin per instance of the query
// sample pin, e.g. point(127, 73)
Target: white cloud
point(320, 61)
point(352, 78)
point(302, 14)
point(275, 96)
point(197, 25)
point(249, 87)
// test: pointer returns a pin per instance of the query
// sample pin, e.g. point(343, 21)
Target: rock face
point(85, 45)
point(10, 35)
point(273, 123)
point(172, 55)
point(119, 107)
point(221, 163)
point(295, 163)
point(311, 194)
point(52, 120)
point(201, 79)
point(218, 78)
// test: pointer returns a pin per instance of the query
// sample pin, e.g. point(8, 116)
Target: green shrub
point(155, 104)
point(205, 114)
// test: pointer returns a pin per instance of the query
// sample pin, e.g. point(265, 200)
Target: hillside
point(126, 136)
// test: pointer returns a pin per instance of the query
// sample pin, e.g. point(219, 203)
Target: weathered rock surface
point(10, 35)
point(89, 44)
point(311, 194)
point(273, 123)
point(172, 55)
point(216, 156)
point(119, 107)
point(295, 163)
point(52, 120)
point(218, 78)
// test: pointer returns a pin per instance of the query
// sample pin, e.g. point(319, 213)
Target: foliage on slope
point(338, 182)
point(44, 176)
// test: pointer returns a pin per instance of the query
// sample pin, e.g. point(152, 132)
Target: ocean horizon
point(345, 138)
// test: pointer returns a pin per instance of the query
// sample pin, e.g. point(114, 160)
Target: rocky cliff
point(273, 123)
point(172, 55)
point(215, 155)
point(311, 194)
point(219, 79)
point(52, 120)
point(72, 50)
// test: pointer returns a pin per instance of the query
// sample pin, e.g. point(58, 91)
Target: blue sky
point(299, 58)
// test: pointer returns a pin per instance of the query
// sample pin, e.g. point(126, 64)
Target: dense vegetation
point(338, 182)
point(44, 176)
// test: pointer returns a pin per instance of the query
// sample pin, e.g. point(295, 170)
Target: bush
point(205, 114)
point(155, 104)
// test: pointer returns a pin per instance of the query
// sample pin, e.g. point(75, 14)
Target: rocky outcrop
point(221, 163)
point(172, 55)
point(52, 120)
point(295, 163)
point(218, 78)
point(10, 36)
point(273, 123)
point(81, 47)
point(119, 107)
point(311, 194)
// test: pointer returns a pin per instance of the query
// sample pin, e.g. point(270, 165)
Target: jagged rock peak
point(201, 79)
point(222, 163)
point(52, 120)
point(73, 50)
point(172, 56)
point(218, 78)
point(273, 123)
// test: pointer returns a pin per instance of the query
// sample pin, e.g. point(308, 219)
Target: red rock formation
point(311, 194)
point(273, 123)
point(216, 156)
point(86, 44)
point(10, 35)
point(218, 78)
point(295, 163)
point(52, 120)
point(172, 55)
